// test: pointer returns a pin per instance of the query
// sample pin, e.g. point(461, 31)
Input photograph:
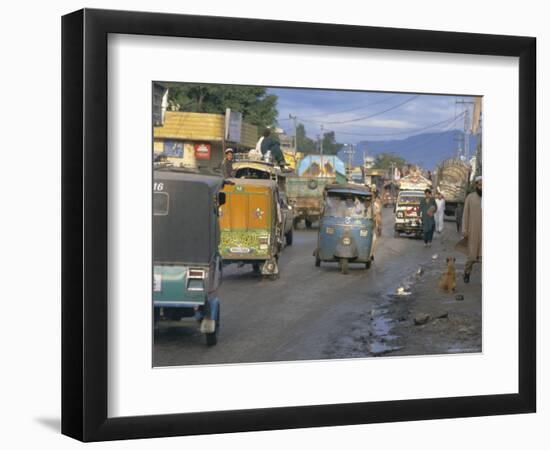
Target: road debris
point(421, 319)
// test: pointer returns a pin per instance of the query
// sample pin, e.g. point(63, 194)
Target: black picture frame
point(84, 224)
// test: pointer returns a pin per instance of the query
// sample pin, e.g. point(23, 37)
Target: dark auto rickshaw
point(346, 226)
point(186, 236)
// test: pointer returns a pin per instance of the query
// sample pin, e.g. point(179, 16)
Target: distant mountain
point(426, 149)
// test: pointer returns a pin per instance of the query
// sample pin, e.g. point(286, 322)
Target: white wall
point(30, 236)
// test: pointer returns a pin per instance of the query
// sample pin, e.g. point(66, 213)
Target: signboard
point(173, 149)
point(160, 103)
point(202, 150)
point(233, 125)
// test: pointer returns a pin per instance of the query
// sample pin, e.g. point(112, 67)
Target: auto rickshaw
point(187, 263)
point(251, 225)
point(255, 169)
point(346, 227)
point(407, 213)
point(389, 195)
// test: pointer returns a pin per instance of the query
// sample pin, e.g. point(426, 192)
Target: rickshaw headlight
point(195, 279)
point(363, 233)
point(264, 240)
point(195, 284)
point(329, 230)
point(400, 214)
point(346, 240)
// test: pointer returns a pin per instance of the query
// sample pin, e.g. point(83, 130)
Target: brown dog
point(448, 279)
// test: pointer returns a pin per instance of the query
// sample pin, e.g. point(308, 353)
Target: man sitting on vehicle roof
point(271, 144)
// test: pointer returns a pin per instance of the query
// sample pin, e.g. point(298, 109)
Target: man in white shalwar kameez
point(440, 213)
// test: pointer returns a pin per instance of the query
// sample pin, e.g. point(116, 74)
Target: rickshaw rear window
point(348, 205)
point(160, 203)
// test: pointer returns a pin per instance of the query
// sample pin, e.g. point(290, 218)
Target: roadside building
point(197, 140)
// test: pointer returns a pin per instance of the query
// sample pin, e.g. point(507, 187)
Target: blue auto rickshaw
point(346, 227)
point(186, 260)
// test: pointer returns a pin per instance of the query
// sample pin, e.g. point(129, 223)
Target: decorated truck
point(452, 179)
point(305, 189)
point(414, 181)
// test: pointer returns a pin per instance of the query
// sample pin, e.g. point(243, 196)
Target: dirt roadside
point(426, 320)
point(412, 316)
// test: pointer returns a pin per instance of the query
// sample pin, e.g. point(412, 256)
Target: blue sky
point(359, 116)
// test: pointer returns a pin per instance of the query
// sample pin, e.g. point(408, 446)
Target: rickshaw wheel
point(317, 262)
point(309, 223)
point(212, 338)
point(367, 264)
point(396, 234)
point(344, 265)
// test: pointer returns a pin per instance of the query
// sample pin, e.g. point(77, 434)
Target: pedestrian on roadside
point(471, 228)
point(440, 213)
point(377, 207)
point(227, 164)
point(428, 209)
point(459, 211)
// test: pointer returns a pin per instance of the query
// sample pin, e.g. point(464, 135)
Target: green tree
point(330, 146)
point(257, 106)
point(385, 160)
point(305, 144)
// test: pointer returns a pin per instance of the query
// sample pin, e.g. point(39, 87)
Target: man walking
point(377, 207)
point(428, 208)
point(471, 228)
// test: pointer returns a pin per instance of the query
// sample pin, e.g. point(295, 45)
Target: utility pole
point(464, 139)
point(321, 141)
point(392, 168)
point(350, 152)
point(294, 120)
point(321, 148)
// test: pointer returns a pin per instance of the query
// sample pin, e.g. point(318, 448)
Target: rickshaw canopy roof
point(270, 184)
point(258, 165)
point(173, 173)
point(348, 188)
point(187, 231)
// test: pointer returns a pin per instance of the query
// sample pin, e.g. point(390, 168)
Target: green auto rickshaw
point(186, 235)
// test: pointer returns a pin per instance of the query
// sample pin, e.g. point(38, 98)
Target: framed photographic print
point(274, 224)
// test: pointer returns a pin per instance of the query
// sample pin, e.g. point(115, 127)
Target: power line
point(355, 108)
point(436, 136)
point(367, 105)
point(397, 133)
point(369, 116)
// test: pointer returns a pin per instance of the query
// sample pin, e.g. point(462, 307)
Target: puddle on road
point(379, 335)
point(370, 334)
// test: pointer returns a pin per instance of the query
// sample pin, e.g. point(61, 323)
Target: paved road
point(299, 316)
